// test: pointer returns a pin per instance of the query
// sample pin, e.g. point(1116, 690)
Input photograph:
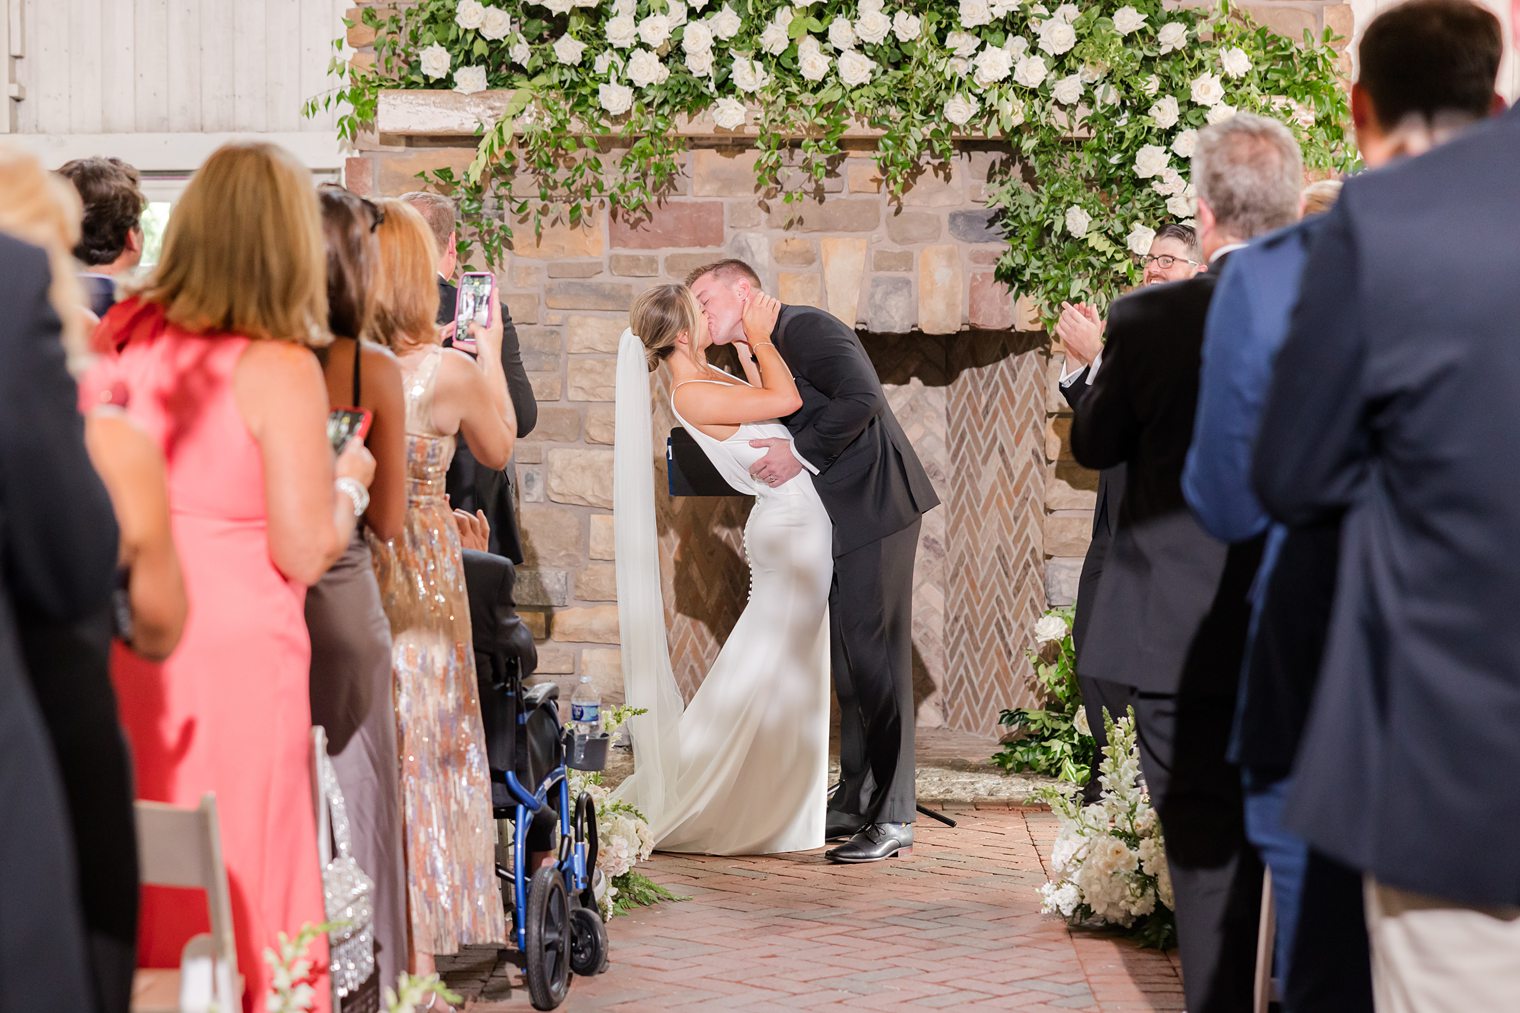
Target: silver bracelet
point(355, 491)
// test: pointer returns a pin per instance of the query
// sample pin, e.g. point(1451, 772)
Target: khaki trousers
point(1433, 956)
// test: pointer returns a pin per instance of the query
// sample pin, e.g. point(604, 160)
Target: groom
point(875, 491)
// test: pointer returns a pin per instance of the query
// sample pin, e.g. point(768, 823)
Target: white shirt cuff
point(1069, 376)
point(802, 460)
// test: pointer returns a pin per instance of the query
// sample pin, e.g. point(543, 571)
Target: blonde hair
point(406, 284)
point(243, 253)
point(39, 208)
point(1321, 196)
point(660, 316)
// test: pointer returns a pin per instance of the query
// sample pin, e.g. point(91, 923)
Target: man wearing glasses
point(1174, 256)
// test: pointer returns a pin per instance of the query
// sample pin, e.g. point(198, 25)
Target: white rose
point(1017, 46)
point(1002, 8)
point(469, 15)
point(1068, 90)
point(962, 44)
point(906, 26)
point(1223, 111)
point(1067, 13)
point(645, 69)
point(1236, 62)
point(1151, 160)
point(1179, 206)
point(855, 68)
point(867, 6)
point(1107, 94)
point(959, 109)
point(1077, 223)
point(1030, 72)
point(624, 8)
point(675, 13)
point(521, 53)
point(616, 98)
point(1169, 183)
point(812, 61)
point(975, 13)
point(602, 62)
point(697, 5)
point(469, 80)
point(1140, 239)
point(1127, 20)
point(1173, 36)
point(1012, 109)
point(569, 51)
point(435, 61)
point(992, 64)
point(622, 32)
point(1081, 722)
point(959, 66)
point(1152, 85)
point(1208, 90)
point(725, 23)
point(497, 24)
point(698, 38)
point(774, 39)
point(559, 6)
point(729, 113)
point(1186, 143)
point(1165, 112)
point(654, 30)
point(749, 76)
point(700, 62)
point(1057, 36)
point(841, 34)
point(872, 27)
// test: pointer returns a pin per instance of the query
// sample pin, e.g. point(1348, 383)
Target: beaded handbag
point(348, 892)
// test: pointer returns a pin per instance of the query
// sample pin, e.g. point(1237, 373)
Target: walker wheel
point(588, 942)
point(546, 960)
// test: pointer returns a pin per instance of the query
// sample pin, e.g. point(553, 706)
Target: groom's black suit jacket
point(869, 478)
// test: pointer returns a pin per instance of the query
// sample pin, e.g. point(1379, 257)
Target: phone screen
point(343, 424)
point(473, 307)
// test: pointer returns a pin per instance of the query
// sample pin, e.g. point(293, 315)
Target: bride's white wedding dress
point(745, 769)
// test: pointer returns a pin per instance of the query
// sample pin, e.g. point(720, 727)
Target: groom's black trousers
point(871, 639)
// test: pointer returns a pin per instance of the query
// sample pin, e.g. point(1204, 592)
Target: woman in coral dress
point(445, 782)
point(214, 363)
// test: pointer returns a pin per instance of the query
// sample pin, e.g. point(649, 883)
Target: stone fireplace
point(966, 368)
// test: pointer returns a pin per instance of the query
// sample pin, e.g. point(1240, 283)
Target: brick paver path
point(956, 926)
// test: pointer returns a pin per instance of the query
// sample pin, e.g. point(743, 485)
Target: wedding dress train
point(744, 769)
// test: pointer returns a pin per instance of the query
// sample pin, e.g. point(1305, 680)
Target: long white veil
point(648, 680)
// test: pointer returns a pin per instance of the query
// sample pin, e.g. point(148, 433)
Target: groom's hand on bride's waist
point(779, 465)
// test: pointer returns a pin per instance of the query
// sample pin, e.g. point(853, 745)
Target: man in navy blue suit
point(111, 240)
point(1427, 70)
point(1392, 409)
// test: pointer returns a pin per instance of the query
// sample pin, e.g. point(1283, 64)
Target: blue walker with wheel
point(556, 920)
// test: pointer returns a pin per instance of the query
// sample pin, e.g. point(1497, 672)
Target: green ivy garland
point(1099, 106)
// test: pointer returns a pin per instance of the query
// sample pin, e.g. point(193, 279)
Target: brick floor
point(956, 926)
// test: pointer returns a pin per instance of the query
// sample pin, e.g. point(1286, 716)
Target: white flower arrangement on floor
point(1109, 864)
point(291, 990)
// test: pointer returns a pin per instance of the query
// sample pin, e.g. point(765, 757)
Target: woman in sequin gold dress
point(453, 898)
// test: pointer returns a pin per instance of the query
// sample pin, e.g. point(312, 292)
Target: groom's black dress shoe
point(838, 826)
point(874, 843)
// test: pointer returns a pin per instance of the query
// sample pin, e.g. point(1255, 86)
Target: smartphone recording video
point(343, 424)
point(473, 307)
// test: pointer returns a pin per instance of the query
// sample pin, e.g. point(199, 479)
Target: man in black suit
point(111, 242)
point(1174, 255)
point(876, 491)
point(1392, 408)
point(58, 542)
point(470, 486)
point(1170, 617)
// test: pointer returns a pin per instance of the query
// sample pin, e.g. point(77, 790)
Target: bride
point(744, 768)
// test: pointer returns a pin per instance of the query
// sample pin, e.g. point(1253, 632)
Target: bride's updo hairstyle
point(660, 316)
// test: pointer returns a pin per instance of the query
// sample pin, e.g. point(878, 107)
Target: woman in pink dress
point(215, 363)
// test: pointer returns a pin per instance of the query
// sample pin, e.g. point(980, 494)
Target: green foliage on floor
point(1052, 739)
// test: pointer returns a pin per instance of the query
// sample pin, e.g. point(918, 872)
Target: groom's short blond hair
point(726, 270)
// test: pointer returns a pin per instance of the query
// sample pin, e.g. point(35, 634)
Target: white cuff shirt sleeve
point(800, 459)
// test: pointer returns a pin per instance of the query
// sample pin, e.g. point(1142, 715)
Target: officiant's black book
point(689, 470)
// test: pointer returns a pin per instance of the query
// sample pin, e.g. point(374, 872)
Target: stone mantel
point(402, 114)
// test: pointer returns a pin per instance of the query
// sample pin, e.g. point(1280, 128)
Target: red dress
point(229, 712)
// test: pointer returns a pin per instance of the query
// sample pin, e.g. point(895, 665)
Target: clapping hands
point(1081, 332)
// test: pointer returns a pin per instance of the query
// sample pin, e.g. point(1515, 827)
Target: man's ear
point(134, 239)
point(1361, 106)
point(1498, 106)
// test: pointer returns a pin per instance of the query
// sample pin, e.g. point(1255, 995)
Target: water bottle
point(586, 709)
